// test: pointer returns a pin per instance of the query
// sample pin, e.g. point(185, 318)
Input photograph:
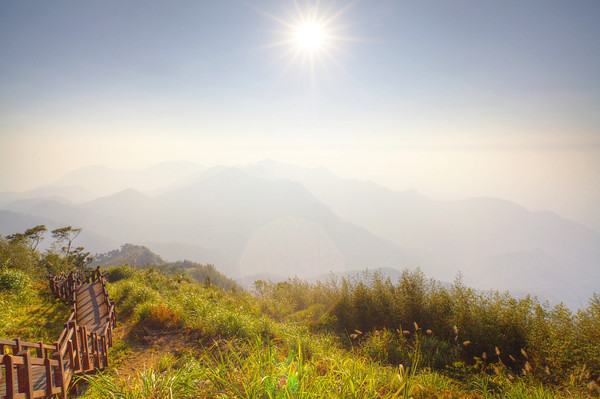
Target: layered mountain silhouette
point(270, 218)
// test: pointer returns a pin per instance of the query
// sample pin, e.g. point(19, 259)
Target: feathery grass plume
point(547, 370)
point(524, 353)
point(528, 367)
point(511, 378)
point(455, 330)
point(496, 371)
point(406, 332)
point(484, 356)
point(512, 358)
point(429, 332)
point(466, 343)
point(416, 326)
point(353, 336)
point(497, 351)
point(358, 332)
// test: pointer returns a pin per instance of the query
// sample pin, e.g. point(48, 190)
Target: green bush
point(117, 273)
point(14, 281)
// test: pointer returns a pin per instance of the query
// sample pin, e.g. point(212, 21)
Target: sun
point(310, 36)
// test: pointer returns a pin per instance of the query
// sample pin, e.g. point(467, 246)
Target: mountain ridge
point(264, 216)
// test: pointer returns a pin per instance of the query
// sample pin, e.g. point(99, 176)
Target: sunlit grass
point(233, 350)
point(33, 315)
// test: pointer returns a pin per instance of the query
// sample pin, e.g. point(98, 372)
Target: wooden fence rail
point(37, 370)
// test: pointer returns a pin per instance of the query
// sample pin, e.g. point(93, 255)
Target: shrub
point(14, 281)
point(117, 273)
point(159, 315)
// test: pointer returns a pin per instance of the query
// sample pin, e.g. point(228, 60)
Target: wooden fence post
point(49, 381)
point(28, 374)
point(61, 373)
point(40, 349)
point(86, 348)
point(10, 380)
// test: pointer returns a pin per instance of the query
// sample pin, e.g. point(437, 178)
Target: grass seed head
point(593, 388)
point(524, 353)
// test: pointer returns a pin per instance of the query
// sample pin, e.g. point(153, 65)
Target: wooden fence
point(37, 370)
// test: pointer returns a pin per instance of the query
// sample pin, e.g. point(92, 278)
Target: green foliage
point(19, 251)
point(205, 273)
point(455, 323)
point(32, 314)
point(142, 257)
point(16, 254)
point(117, 273)
point(359, 337)
point(14, 281)
point(134, 255)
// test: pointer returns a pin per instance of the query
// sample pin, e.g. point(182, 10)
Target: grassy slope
point(181, 339)
point(33, 314)
point(190, 341)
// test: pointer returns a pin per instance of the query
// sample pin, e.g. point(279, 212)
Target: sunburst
point(311, 35)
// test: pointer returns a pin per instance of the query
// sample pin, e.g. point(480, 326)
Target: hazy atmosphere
point(470, 118)
point(453, 99)
point(300, 199)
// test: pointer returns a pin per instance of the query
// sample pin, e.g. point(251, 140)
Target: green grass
point(241, 353)
point(33, 315)
point(232, 349)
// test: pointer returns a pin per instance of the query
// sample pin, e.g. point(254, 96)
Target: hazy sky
point(452, 98)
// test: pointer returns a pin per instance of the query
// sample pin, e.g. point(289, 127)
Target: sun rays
point(310, 36)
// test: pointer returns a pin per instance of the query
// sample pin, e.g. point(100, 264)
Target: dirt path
point(149, 347)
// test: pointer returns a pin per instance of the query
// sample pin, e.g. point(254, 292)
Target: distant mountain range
point(277, 219)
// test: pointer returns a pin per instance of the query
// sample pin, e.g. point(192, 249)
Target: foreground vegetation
point(361, 337)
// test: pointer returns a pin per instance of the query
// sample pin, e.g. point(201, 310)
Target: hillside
point(134, 255)
point(496, 244)
point(240, 219)
point(185, 330)
point(181, 339)
point(139, 257)
point(277, 219)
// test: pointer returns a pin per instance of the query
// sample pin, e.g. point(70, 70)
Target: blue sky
point(453, 98)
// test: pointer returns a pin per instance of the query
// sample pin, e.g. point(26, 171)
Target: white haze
point(559, 178)
point(280, 219)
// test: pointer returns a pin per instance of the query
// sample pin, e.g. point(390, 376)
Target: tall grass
point(242, 353)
